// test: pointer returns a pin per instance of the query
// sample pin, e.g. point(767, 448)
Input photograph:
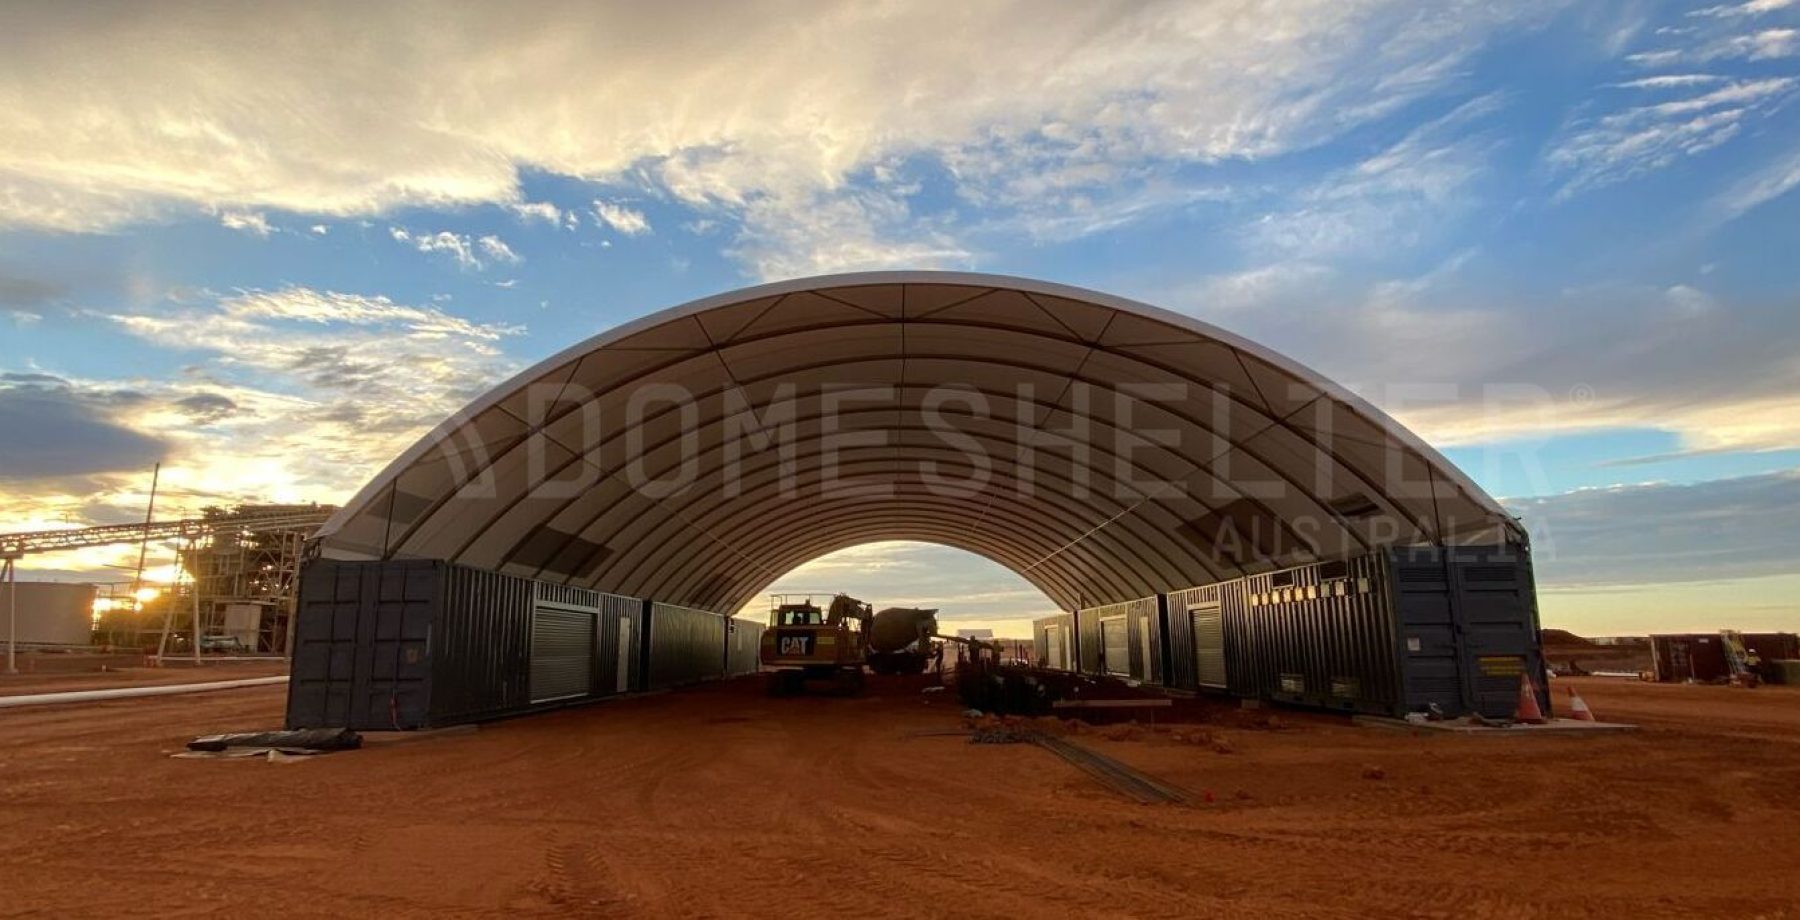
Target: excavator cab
point(802, 614)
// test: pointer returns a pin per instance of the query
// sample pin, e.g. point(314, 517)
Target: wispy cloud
point(626, 220)
point(474, 254)
point(250, 222)
point(1600, 151)
point(1753, 191)
point(540, 211)
point(1748, 8)
point(1391, 199)
point(496, 250)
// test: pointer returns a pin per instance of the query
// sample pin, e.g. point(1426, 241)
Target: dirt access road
point(719, 802)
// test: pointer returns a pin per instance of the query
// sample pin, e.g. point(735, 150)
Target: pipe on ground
point(123, 693)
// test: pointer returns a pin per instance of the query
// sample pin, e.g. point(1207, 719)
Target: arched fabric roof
point(1102, 448)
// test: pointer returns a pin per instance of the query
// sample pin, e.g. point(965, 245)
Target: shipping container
point(1702, 657)
point(410, 644)
point(1390, 632)
point(1121, 640)
point(1053, 641)
point(685, 646)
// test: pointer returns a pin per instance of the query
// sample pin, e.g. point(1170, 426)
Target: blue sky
point(1557, 239)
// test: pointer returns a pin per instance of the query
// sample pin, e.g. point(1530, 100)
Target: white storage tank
point(50, 613)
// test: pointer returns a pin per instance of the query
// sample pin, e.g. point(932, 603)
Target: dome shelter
point(1104, 449)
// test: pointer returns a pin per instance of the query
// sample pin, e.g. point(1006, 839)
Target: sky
point(271, 246)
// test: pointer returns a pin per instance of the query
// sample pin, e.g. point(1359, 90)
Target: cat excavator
point(804, 643)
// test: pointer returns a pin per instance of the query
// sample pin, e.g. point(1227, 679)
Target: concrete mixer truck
point(900, 640)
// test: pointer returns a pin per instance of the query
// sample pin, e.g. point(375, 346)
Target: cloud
point(60, 430)
point(1662, 533)
point(20, 294)
point(205, 408)
point(1761, 45)
point(1012, 104)
point(456, 245)
point(851, 231)
point(290, 394)
point(496, 250)
point(539, 211)
point(315, 401)
point(1671, 81)
point(1749, 8)
point(1621, 145)
point(319, 229)
point(1461, 364)
point(475, 254)
point(1393, 199)
point(1618, 137)
point(1753, 191)
point(249, 222)
point(621, 218)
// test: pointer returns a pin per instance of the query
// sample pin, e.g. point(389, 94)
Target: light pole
point(12, 613)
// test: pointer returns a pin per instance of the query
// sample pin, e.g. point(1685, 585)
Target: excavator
point(805, 643)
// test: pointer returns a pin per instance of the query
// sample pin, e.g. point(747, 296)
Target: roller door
point(1209, 646)
point(562, 653)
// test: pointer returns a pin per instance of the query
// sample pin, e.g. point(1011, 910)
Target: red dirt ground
point(720, 802)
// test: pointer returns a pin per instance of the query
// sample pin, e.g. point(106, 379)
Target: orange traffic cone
point(1529, 710)
point(1578, 707)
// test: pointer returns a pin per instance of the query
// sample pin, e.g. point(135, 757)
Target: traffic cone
point(1578, 707)
point(1529, 711)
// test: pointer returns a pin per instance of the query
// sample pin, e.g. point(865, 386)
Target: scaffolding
point(241, 576)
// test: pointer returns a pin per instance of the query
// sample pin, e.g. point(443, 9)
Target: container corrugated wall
point(1318, 635)
point(420, 643)
point(1388, 632)
point(1122, 639)
point(481, 647)
point(686, 645)
point(1054, 642)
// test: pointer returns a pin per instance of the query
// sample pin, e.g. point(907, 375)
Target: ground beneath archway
point(718, 801)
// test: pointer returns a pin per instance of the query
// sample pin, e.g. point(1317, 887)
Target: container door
point(1115, 647)
point(624, 668)
point(562, 654)
point(1209, 645)
point(1057, 648)
point(1149, 654)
